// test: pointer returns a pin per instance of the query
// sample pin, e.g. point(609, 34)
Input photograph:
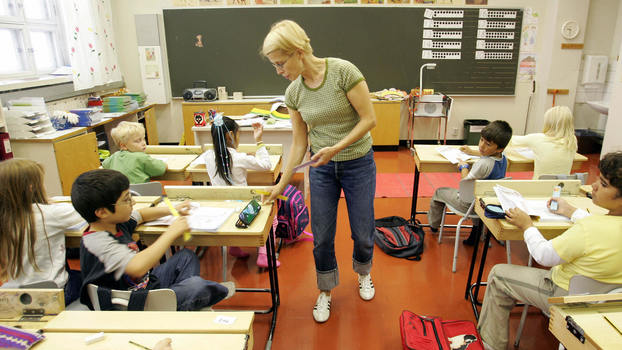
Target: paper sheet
point(208, 219)
point(510, 199)
point(454, 155)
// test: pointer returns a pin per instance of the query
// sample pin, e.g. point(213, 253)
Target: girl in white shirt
point(555, 146)
point(228, 167)
point(32, 230)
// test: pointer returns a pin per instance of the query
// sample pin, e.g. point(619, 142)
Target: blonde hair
point(123, 132)
point(287, 36)
point(559, 124)
point(21, 186)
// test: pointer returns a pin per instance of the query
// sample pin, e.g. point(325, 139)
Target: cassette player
point(200, 91)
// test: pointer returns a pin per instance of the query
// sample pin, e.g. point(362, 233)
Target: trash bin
point(473, 129)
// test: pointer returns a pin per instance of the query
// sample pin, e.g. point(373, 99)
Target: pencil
point(266, 193)
point(139, 345)
point(174, 212)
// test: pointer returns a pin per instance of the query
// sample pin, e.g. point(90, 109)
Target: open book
point(453, 154)
point(208, 219)
point(510, 199)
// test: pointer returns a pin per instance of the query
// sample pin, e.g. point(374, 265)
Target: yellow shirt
point(593, 248)
point(552, 158)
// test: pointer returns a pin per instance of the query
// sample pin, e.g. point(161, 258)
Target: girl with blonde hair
point(32, 230)
point(555, 146)
point(330, 110)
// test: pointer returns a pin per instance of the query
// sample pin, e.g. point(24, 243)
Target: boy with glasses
point(110, 258)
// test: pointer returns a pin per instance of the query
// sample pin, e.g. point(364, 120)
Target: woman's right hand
point(563, 207)
point(274, 191)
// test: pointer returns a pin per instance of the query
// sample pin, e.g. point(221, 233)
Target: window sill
point(18, 84)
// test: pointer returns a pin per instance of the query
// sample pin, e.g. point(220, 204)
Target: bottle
point(557, 192)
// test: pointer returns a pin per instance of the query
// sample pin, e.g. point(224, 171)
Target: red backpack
point(432, 333)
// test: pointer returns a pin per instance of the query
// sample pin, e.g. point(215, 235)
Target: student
point(109, 258)
point(491, 166)
point(132, 160)
point(226, 166)
point(555, 146)
point(32, 230)
point(592, 247)
point(330, 109)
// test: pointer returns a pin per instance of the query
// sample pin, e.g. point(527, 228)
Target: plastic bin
point(473, 129)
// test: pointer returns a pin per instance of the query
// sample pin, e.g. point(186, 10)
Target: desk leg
point(413, 207)
point(274, 285)
point(482, 262)
point(473, 259)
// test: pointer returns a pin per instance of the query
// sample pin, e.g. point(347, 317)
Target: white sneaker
point(230, 285)
point(321, 310)
point(366, 287)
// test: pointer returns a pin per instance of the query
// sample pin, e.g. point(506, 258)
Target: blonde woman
point(555, 146)
point(330, 98)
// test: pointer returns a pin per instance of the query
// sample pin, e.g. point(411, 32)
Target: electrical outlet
point(454, 132)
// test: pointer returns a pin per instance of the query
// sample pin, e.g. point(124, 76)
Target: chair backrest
point(157, 299)
point(580, 284)
point(576, 176)
point(153, 188)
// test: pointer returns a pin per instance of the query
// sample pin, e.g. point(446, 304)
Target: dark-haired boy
point(491, 166)
point(110, 258)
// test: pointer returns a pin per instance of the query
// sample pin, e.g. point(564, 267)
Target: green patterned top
point(139, 167)
point(327, 111)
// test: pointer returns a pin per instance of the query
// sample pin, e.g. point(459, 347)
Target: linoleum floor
point(427, 287)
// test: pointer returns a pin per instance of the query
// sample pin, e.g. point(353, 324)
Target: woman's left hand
point(518, 218)
point(183, 208)
point(323, 156)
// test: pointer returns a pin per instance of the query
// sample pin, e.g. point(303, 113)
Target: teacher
point(328, 102)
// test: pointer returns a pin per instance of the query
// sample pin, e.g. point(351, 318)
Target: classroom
point(425, 77)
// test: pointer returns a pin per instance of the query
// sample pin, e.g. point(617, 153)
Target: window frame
point(53, 25)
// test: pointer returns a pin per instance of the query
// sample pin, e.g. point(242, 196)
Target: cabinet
point(386, 132)
point(64, 155)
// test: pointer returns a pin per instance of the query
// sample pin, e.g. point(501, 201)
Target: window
point(31, 38)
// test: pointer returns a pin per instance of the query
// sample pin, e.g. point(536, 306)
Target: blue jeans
point(357, 178)
point(181, 273)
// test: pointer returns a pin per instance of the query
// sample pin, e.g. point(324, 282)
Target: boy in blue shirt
point(491, 166)
point(110, 258)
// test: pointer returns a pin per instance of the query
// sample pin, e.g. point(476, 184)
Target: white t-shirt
point(552, 158)
point(50, 258)
point(241, 163)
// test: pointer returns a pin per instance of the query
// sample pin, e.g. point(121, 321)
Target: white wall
point(612, 140)
point(556, 68)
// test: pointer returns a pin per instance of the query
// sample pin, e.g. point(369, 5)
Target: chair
point(157, 299)
point(466, 195)
point(578, 285)
point(153, 188)
point(575, 176)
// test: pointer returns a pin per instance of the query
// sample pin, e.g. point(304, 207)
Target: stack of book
point(114, 104)
point(138, 97)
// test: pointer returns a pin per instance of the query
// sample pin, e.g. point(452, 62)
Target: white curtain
point(90, 41)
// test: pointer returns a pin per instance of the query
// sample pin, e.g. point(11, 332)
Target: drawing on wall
point(265, 2)
point(150, 54)
point(476, 2)
point(372, 2)
point(398, 1)
point(238, 2)
point(211, 2)
point(152, 71)
point(185, 3)
point(526, 66)
point(425, 1)
point(293, 2)
point(318, 2)
point(199, 40)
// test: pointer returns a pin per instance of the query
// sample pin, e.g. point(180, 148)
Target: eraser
point(94, 338)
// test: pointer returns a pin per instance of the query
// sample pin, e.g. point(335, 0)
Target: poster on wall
point(292, 2)
point(346, 1)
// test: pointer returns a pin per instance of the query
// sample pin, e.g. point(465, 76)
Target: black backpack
point(399, 237)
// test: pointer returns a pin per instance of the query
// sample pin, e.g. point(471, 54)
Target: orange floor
point(427, 286)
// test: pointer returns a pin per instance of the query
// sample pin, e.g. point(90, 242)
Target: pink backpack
point(292, 217)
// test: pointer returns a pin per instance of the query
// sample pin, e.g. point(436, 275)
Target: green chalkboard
point(385, 43)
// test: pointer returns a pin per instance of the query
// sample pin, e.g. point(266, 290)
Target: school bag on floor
point(399, 237)
point(433, 333)
point(292, 216)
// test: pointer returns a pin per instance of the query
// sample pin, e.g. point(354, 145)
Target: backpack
point(292, 216)
point(433, 333)
point(400, 238)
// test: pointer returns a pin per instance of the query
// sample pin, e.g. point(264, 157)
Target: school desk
point(601, 324)
point(256, 235)
point(198, 172)
point(503, 230)
point(177, 159)
point(428, 160)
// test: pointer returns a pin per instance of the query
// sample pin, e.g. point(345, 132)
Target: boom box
point(200, 91)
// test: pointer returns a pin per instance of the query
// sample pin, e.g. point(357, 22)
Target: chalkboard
point(385, 43)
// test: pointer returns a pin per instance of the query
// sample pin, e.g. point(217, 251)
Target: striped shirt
point(327, 111)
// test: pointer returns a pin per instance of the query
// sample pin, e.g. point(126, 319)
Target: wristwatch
point(463, 166)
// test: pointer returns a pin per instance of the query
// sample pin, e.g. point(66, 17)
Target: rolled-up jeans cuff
point(327, 280)
point(361, 269)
